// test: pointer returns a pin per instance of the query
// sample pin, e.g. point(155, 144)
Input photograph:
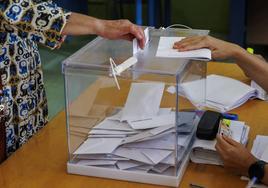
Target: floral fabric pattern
point(23, 24)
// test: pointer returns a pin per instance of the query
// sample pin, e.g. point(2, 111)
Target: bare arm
point(79, 24)
point(236, 157)
point(265, 178)
point(253, 66)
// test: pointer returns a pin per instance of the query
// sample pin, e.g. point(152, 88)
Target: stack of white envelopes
point(222, 93)
point(141, 136)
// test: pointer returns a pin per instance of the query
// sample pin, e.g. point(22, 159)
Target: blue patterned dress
point(23, 24)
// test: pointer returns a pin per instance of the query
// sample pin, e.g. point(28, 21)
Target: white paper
point(124, 165)
point(134, 154)
point(136, 47)
point(96, 162)
point(195, 91)
point(165, 142)
point(227, 92)
point(106, 136)
point(110, 132)
point(143, 168)
point(237, 128)
point(143, 101)
point(108, 124)
point(259, 146)
point(264, 156)
point(170, 160)
point(157, 121)
point(101, 157)
point(205, 156)
point(165, 49)
point(171, 89)
point(160, 168)
point(164, 111)
point(156, 155)
point(222, 93)
point(115, 117)
point(146, 135)
point(98, 146)
point(261, 93)
point(152, 144)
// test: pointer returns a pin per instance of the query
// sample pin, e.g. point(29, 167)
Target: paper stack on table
point(260, 147)
point(139, 137)
point(204, 152)
point(222, 93)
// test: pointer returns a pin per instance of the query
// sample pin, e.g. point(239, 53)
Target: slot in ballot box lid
point(97, 53)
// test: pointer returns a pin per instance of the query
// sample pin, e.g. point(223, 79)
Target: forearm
point(79, 24)
point(265, 178)
point(254, 67)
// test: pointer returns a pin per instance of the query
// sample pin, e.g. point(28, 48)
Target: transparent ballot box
point(131, 120)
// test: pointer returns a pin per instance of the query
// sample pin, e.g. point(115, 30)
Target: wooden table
point(42, 161)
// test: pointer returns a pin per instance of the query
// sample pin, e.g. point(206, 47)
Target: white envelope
point(123, 165)
point(166, 142)
point(110, 132)
point(165, 49)
point(149, 134)
point(101, 157)
point(143, 168)
point(133, 154)
point(156, 155)
point(170, 160)
point(96, 162)
point(106, 136)
point(98, 146)
point(116, 117)
point(160, 168)
point(114, 125)
point(164, 111)
point(136, 47)
point(143, 101)
point(156, 121)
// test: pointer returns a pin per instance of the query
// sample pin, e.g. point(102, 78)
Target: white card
point(143, 101)
point(98, 146)
point(165, 49)
point(156, 121)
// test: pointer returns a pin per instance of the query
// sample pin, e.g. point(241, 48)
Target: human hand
point(220, 49)
point(260, 57)
point(234, 155)
point(120, 29)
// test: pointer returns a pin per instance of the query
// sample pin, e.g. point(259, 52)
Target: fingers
point(219, 149)
point(191, 46)
point(260, 57)
point(127, 37)
point(124, 29)
point(189, 39)
point(230, 141)
point(138, 33)
point(222, 143)
point(191, 43)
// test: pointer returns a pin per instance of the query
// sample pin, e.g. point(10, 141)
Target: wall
point(202, 14)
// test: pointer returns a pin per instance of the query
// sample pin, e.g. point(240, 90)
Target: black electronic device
point(208, 125)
